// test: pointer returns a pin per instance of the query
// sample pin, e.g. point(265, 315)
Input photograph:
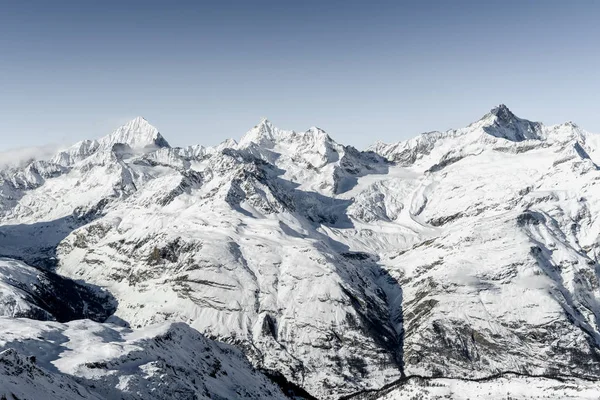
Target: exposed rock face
point(458, 254)
point(27, 292)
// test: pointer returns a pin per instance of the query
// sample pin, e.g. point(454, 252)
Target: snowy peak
point(137, 133)
point(500, 122)
point(499, 129)
point(267, 136)
point(499, 114)
point(264, 125)
point(318, 133)
point(502, 112)
point(226, 144)
point(262, 135)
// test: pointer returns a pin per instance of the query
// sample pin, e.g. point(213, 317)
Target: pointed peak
point(571, 124)
point(503, 113)
point(497, 115)
point(502, 123)
point(137, 133)
point(318, 133)
point(228, 142)
point(260, 134)
point(139, 119)
point(316, 129)
point(500, 108)
point(264, 123)
point(140, 123)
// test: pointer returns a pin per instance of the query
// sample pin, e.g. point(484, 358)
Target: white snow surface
point(457, 254)
point(499, 388)
point(85, 359)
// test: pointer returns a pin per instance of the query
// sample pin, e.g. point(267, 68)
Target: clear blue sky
point(205, 71)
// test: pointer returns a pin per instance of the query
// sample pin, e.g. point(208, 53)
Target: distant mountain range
point(459, 263)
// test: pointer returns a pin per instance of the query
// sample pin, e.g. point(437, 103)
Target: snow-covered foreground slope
point(464, 253)
point(21, 378)
point(507, 386)
point(85, 359)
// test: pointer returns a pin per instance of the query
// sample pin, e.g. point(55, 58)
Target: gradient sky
point(206, 71)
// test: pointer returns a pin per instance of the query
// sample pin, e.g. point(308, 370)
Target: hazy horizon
point(205, 73)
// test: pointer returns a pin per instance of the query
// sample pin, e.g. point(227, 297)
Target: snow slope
point(463, 253)
point(506, 386)
point(85, 359)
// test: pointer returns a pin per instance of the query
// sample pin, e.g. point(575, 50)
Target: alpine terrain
point(457, 264)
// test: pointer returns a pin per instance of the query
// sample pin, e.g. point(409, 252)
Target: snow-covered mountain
point(85, 359)
point(458, 254)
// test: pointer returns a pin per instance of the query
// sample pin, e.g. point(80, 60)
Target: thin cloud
point(22, 156)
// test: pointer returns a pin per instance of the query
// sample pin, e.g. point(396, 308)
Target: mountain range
point(285, 264)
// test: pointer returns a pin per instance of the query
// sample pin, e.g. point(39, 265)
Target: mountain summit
point(137, 133)
point(502, 112)
point(502, 123)
point(262, 134)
